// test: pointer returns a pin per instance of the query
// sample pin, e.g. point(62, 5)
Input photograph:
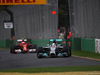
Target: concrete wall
point(84, 18)
point(4, 33)
point(32, 21)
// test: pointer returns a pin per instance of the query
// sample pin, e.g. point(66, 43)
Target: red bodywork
point(23, 46)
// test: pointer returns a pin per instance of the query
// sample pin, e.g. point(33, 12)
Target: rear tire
point(34, 46)
point(58, 51)
point(69, 51)
point(40, 50)
point(11, 50)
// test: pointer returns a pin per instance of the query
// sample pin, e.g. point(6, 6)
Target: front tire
point(69, 51)
point(12, 49)
point(65, 49)
point(40, 50)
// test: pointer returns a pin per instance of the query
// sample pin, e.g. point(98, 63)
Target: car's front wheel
point(12, 49)
point(40, 50)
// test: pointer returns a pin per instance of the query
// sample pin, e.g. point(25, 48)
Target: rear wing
point(57, 40)
point(20, 40)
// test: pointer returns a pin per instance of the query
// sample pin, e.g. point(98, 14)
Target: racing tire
point(12, 49)
point(39, 56)
point(58, 51)
point(69, 51)
point(34, 46)
point(21, 49)
point(40, 50)
point(65, 49)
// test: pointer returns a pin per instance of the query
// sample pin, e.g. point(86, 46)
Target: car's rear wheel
point(11, 50)
point(58, 51)
point(34, 46)
point(40, 50)
point(69, 51)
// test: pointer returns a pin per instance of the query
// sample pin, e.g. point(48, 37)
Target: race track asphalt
point(30, 60)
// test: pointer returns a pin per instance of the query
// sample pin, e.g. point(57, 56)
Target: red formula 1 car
point(23, 47)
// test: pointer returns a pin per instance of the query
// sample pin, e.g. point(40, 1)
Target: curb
point(86, 58)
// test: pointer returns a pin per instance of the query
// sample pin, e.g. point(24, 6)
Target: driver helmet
point(23, 41)
point(53, 44)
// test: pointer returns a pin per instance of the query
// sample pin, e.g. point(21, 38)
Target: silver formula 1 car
point(54, 49)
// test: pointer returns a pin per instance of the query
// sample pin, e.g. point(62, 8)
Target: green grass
point(54, 69)
point(86, 54)
point(4, 48)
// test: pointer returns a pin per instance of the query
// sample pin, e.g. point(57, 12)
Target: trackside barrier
point(8, 43)
point(76, 43)
point(81, 44)
point(2, 43)
point(88, 45)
